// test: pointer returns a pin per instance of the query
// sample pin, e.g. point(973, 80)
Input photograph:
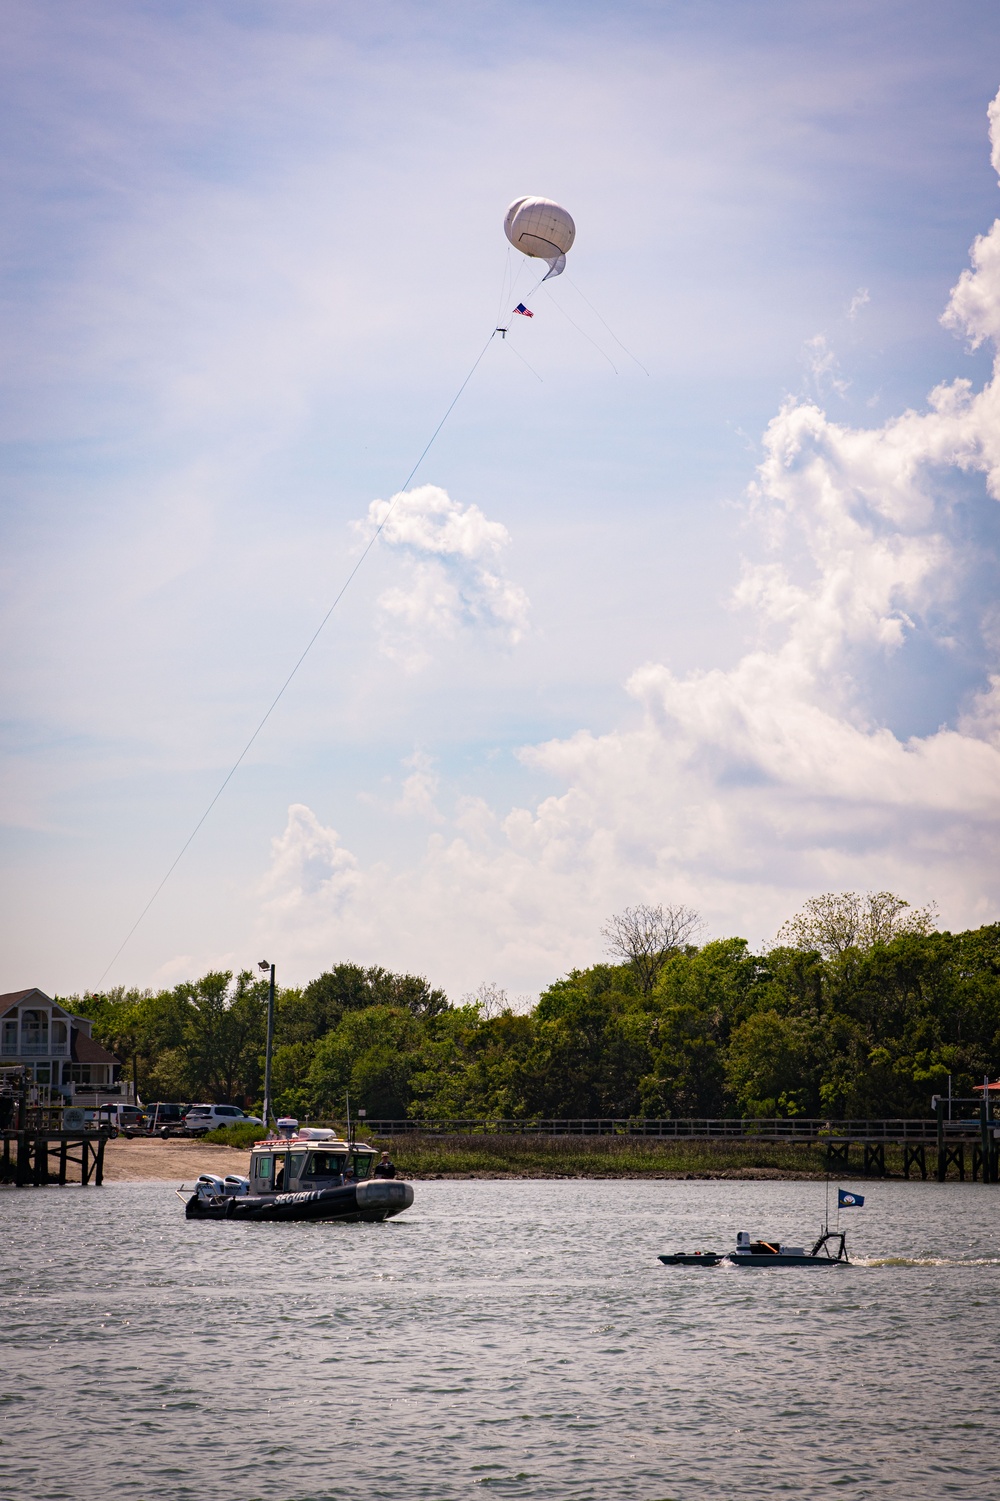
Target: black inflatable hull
point(693, 1258)
point(372, 1201)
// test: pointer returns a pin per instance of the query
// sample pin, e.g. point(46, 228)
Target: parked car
point(116, 1117)
point(202, 1118)
point(164, 1119)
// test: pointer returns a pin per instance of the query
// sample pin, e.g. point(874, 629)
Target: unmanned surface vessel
point(829, 1250)
point(309, 1176)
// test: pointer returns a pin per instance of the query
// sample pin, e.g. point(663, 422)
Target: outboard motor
point(743, 1240)
point(211, 1186)
point(236, 1185)
point(287, 1126)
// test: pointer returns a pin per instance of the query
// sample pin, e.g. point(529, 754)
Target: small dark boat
point(767, 1253)
point(692, 1258)
point(314, 1177)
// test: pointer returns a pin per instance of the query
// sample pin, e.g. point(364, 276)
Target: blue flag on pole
point(849, 1201)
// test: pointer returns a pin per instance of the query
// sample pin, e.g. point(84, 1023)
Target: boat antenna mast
point(265, 964)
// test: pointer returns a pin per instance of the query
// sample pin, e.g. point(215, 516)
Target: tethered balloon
point(541, 228)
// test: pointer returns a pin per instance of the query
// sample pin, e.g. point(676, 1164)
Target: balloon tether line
point(607, 325)
point(582, 331)
point(311, 642)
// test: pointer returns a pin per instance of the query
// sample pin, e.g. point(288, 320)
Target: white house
point(56, 1048)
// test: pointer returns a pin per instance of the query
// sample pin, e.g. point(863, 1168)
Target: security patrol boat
point(309, 1175)
point(829, 1250)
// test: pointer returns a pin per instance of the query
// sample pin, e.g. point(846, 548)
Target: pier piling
point(25, 1158)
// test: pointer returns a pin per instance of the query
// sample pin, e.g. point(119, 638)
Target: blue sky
point(249, 255)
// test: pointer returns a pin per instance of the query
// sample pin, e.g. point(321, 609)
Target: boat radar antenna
point(264, 966)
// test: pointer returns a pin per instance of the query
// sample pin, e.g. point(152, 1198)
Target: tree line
point(861, 1008)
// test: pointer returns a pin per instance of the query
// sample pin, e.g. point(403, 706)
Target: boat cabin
point(297, 1164)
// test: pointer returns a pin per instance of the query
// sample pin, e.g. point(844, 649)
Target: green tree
point(307, 1015)
point(372, 1054)
point(841, 920)
point(770, 1065)
point(590, 1046)
point(225, 1035)
point(698, 999)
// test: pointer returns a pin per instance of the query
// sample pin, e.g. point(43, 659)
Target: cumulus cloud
point(449, 555)
point(309, 867)
point(741, 791)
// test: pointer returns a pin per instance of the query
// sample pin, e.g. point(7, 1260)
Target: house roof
point(85, 1050)
point(14, 996)
point(38, 997)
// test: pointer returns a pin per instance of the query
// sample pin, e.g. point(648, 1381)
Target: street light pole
point(270, 1043)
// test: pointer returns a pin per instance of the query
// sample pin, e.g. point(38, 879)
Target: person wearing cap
point(385, 1167)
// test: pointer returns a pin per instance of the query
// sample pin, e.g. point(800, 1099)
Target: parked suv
point(202, 1118)
point(165, 1119)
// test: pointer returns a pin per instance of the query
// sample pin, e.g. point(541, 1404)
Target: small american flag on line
point(525, 312)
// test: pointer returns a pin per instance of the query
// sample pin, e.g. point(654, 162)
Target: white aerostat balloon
point(540, 228)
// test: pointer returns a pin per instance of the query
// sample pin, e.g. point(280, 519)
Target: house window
point(9, 1043)
point(59, 1048)
point(34, 1032)
point(43, 1073)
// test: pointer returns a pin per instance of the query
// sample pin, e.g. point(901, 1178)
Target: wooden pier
point(41, 1141)
point(33, 1158)
point(962, 1137)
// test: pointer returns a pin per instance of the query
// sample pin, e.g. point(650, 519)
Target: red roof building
point(56, 1049)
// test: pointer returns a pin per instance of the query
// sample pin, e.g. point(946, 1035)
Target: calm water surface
point(514, 1338)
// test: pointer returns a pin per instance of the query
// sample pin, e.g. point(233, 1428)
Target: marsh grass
point(594, 1157)
point(588, 1157)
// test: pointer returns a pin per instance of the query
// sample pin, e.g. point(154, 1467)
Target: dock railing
point(785, 1129)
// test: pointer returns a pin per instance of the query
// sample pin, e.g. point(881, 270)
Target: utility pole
point(264, 964)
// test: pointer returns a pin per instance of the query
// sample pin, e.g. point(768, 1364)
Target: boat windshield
point(363, 1164)
point(325, 1165)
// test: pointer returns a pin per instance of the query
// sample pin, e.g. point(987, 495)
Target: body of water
point(519, 1339)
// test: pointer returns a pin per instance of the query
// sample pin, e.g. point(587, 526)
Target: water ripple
point(519, 1339)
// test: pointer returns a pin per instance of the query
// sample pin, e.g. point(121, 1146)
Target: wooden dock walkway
point(968, 1143)
point(26, 1157)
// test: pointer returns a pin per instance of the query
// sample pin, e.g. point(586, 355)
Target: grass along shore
point(418, 1156)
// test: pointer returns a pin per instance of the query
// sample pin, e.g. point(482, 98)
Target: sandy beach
point(172, 1161)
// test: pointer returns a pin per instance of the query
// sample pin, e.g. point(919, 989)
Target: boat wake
point(968, 1261)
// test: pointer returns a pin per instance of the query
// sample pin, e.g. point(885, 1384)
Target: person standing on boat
point(385, 1167)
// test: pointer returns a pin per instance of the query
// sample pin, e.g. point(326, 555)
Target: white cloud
point(309, 865)
point(823, 366)
point(448, 554)
point(742, 790)
point(860, 300)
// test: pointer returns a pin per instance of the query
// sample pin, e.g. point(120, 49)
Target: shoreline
point(147, 1160)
